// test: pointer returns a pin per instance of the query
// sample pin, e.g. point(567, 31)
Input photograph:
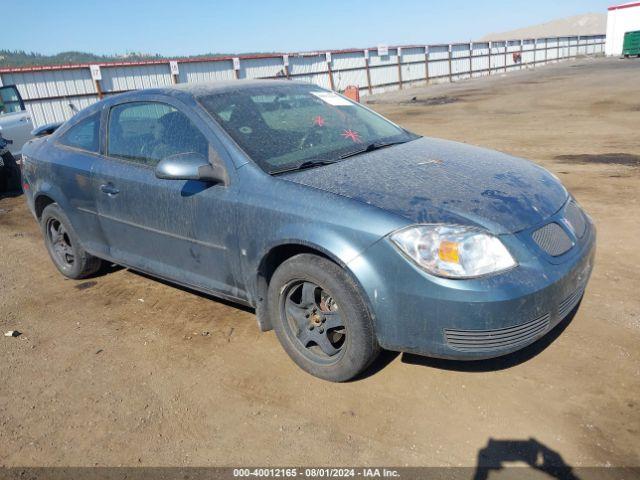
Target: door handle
point(109, 189)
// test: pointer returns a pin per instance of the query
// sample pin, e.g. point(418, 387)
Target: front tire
point(63, 245)
point(321, 319)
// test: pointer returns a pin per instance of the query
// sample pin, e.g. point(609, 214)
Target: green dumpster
point(631, 45)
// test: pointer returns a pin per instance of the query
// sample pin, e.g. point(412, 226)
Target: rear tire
point(321, 319)
point(63, 245)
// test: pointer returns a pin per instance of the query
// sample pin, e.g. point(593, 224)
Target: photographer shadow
point(536, 455)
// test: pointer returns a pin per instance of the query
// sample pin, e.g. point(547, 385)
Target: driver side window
point(147, 132)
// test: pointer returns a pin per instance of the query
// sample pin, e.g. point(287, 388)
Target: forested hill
point(18, 58)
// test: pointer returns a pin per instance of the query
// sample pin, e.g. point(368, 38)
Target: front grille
point(501, 338)
point(576, 219)
point(570, 302)
point(552, 239)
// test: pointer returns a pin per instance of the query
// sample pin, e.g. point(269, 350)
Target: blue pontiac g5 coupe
point(346, 232)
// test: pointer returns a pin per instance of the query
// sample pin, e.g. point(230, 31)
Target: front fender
point(274, 212)
point(259, 286)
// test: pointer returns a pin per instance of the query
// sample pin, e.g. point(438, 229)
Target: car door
point(182, 230)
point(15, 121)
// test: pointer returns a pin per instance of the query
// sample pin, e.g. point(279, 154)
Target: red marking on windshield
point(352, 135)
point(318, 121)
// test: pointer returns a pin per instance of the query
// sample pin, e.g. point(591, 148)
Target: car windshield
point(284, 127)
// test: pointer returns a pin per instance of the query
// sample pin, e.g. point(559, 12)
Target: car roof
point(185, 91)
point(200, 89)
point(208, 88)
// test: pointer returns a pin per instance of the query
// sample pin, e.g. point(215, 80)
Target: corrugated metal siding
point(48, 91)
point(56, 110)
point(413, 66)
point(342, 61)
point(498, 55)
point(51, 83)
point(206, 71)
point(342, 79)
point(307, 64)
point(528, 54)
point(553, 49)
point(261, 68)
point(460, 66)
point(480, 60)
point(120, 79)
point(438, 61)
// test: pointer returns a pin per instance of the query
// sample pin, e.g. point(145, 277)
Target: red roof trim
point(628, 5)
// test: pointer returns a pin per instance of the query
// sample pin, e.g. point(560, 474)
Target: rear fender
point(46, 189)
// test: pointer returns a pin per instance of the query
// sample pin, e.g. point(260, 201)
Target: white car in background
point(15, 121)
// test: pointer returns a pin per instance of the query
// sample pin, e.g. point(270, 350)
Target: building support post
point(329, 71)
point(399, 54)
point(546, 50)
point(174, 71)
point(426, 64)
point(366, 67)
point(98, 89)
point(506, 48)
point(235, 63)
point(96, 76)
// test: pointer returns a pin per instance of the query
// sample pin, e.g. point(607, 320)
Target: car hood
point(437, 181)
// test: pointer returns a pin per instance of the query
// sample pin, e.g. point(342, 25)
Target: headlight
point(453, 251)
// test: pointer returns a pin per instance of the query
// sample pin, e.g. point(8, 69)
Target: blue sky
point(186, 27)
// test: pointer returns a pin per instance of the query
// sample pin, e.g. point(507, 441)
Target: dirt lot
point(118, 370)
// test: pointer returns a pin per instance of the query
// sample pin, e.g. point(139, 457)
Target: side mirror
point(190, 166)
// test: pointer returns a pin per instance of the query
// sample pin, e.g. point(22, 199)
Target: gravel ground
point(123, 369)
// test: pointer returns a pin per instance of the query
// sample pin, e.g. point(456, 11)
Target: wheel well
point(41, 203)
point(271, 261)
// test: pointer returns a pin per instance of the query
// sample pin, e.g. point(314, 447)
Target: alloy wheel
point(314, 321)
point(60, 243)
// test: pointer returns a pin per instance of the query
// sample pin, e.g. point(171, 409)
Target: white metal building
point(49, 90)
point(621, 19)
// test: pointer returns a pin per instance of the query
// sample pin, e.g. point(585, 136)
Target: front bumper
point(477, 318)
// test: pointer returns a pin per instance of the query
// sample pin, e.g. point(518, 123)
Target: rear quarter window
point(85, 135)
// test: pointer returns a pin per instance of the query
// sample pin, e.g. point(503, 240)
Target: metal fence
point(48, 91)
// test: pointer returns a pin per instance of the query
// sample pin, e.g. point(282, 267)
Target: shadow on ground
point(537, 456)
point(386, 356)
point(605, 158)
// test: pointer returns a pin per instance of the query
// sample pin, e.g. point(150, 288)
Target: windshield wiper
point(303, 166)
point(316, 163)
point(371, 147)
